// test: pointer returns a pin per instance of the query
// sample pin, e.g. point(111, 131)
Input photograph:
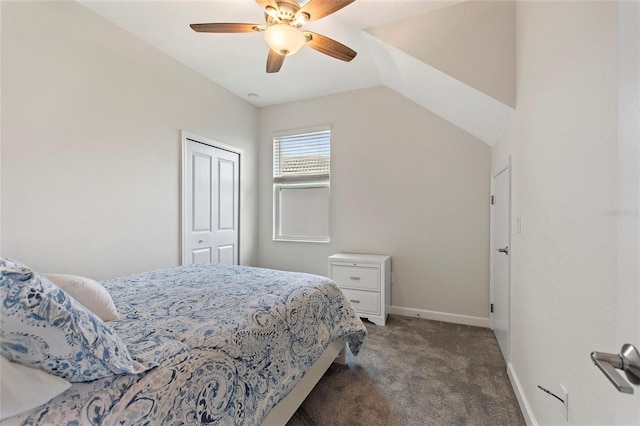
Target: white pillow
point(91, 294)
point(42, 326)
point(24, 388)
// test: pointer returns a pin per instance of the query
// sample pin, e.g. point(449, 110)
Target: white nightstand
point(365, 279)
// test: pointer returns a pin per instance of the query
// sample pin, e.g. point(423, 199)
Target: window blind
point(303, 157)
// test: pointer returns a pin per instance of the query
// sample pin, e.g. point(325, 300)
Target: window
point(301, 175)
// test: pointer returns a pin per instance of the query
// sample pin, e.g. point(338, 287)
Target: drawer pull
point(354, 301)
point(355, 278)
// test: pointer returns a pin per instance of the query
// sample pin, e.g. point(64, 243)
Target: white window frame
point(279, 186)
point(278, 236)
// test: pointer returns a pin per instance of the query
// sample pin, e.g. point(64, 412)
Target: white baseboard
point(440, 316)
point(527, 412)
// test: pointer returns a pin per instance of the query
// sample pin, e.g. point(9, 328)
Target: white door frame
point(187, 136)
point(504, 167)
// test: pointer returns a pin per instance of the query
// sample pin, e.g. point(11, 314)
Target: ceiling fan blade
point(324, 44)
point(226, 28)
point(317, 9)
point(274, 61)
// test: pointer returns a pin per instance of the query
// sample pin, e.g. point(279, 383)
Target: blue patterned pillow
point(42, 326)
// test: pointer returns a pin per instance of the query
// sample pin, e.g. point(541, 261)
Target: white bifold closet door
point(211, 178)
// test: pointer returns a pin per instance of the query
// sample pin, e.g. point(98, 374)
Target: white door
point(226, 194)
point(627, 214)
point(499, 256)
point(211, 192)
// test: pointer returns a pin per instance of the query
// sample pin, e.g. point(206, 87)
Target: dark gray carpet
point(416, 372)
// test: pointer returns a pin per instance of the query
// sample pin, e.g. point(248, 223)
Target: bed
point(209, 344)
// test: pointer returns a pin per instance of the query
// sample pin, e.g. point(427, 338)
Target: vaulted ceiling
point(456, 59)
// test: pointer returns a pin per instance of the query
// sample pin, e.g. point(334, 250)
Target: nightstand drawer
point(357, 277)
point(363, 302)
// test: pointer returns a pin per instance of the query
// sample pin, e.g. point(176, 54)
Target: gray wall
point(472, 41)
point(404, 182)
point(91, 120)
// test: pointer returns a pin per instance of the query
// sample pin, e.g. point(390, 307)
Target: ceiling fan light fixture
point(284, 39)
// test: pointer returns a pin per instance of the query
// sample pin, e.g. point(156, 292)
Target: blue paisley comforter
point(230, 342)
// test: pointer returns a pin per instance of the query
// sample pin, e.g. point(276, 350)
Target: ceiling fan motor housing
point(286, 12)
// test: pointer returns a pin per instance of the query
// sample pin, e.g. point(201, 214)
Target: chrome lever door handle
point(504, 250)
point(607, 363)
point(627, 360)
point(631, 363)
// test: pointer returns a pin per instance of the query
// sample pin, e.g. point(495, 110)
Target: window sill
point(305, 240)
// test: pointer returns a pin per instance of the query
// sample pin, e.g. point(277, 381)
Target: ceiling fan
point(283, 30)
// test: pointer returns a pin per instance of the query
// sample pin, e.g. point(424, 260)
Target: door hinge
point(492, 200)
point(492, 308)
